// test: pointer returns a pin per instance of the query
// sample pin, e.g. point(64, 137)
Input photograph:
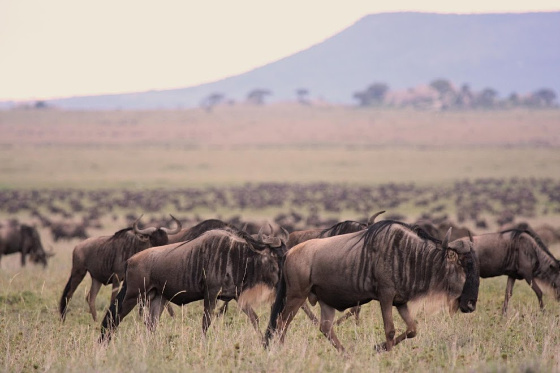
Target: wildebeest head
point(158, 236)
point(460, 254)
point(277, 244)
point(31, 243)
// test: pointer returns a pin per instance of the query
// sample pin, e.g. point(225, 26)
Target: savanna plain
point(229, 163)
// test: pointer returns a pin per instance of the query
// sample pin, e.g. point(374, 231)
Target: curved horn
point(173, 231)
point(285, 234)
point(470, 236)
point(270, 228)
point(373, 217)
point(145, 231)
point(260, 234)
point(446, 239)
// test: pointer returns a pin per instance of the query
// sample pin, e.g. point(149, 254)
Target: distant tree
point(211, 100)
point(513, 100)
point(302, 94)
point(373, 95)
point(544, 97)
point(256, 96)
point(446, 92)
point(40, 105)
point(465, 97)
point(487, 98)
point(443, 86)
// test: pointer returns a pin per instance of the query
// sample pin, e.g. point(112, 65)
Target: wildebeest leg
point(327, 325)
point(410, 324)
point(115, 282)
point(209, 306)
point(23, 255)
point(253, 317)
point(157, 304)
point(223, 309)
point(91, 295)
point(355, 311)
point(509, 292)
point(309, 313)
point(293, 304)
point(537, 291)
point(386, 304)
point(76, 277)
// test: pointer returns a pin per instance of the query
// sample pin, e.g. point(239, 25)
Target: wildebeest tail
point(277, 307)
point(111, 319)
point(64, 299)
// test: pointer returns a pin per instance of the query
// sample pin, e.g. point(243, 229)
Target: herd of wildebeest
point(300, 256)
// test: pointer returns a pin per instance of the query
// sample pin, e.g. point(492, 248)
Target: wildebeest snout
point(469, 307)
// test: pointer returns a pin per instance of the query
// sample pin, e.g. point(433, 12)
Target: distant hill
point(508, 52)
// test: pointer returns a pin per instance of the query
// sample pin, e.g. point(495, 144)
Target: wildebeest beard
point(469, 295)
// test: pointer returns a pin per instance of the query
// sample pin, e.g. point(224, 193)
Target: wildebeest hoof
point(381, 347)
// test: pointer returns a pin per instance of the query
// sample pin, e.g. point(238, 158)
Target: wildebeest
point(390, 262)
point(24, 239)
point(188, 234)
point(105, 257)
point(348, 226)
point(68, 230)
point(220, 264)
point(519, 254)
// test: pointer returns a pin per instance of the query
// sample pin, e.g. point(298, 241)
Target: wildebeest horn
point(145, 231)
point(446, 239)
point(260, 234)
point(285, 234)
point(173, 231)
point(374, 216)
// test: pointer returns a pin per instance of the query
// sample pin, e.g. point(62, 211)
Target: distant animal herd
point(341, 266)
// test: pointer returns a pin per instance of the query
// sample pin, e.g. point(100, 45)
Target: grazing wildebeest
point(348, 226)
point(24, 239)
point(519, 254)
point(220, 264)
point(105, 257)
point(390, 262)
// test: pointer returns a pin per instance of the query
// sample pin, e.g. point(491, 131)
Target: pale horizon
point(64, 48)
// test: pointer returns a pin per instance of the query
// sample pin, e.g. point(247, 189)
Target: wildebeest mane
point(348, 226)
point(376, 229)
point(524, 228)
point(205, 226)
point(120, 234)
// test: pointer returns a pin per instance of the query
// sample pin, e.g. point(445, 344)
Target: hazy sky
point(60, 48)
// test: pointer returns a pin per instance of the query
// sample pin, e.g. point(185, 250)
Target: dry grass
point(234, 145)
point(33, 339)
point(239, 144)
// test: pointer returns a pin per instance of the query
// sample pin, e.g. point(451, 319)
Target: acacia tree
point(372, 95)
point(302, 94)
point(544, 97)
point(212, 100)
point(256, 96)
